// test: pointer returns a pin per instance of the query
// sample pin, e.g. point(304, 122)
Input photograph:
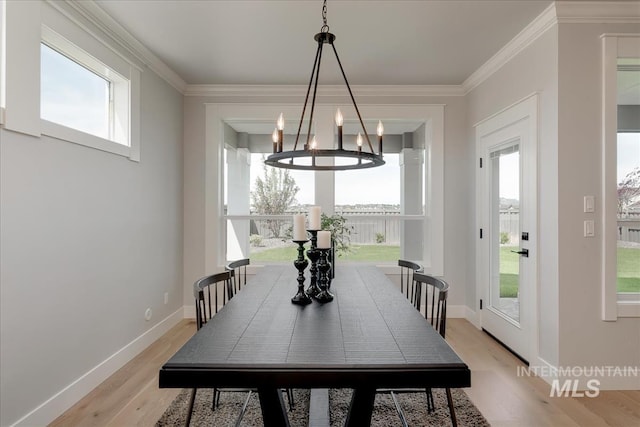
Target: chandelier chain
point(325, 27)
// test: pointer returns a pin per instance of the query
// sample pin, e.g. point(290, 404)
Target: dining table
point(369, 337)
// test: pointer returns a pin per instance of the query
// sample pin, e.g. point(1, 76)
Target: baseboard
point(70, 395)
point(189, 312)
point(472, 316)
point(456, 311)
point(587, 378)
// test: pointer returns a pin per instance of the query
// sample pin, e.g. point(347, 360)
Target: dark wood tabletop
point(369, 337)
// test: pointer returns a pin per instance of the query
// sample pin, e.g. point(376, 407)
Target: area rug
point(384, 415)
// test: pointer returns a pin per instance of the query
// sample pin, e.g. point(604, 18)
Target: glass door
point(504, 291)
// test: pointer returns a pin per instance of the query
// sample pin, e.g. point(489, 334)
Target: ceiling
point(270, 42)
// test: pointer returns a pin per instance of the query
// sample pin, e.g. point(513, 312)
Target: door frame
point(524, 109)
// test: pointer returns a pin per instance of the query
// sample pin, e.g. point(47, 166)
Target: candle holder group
point(319, 272)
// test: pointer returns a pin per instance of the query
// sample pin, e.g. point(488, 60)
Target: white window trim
point(614, 46)
point(23, 35)
point(432, 115)
point(121, 140)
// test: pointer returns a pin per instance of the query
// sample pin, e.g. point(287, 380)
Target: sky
point(72, 95)
point(366, 186)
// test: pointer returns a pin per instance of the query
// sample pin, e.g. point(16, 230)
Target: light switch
point(589, 204)
point(589, 228)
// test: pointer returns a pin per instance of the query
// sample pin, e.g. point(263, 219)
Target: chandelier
point(304, 158)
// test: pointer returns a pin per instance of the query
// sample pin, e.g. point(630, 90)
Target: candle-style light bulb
point(280, 129)
point(274, 137)
point(339, 124)
point(359, 142)
point(380, 130)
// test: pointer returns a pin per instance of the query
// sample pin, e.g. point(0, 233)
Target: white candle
point(299, 230)
point(324, 239)
point(314, 218)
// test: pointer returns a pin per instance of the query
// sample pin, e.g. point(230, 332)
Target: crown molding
point(598, 12)
point(528, 35)
point(116, 32)
point(324, 90)
point(559, 12)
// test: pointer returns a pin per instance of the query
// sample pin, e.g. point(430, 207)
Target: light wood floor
point(131, 396)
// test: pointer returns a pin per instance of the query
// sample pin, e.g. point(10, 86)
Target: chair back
point(435, 307)
point(207, 304)
point(407, 269)
point(238, 271)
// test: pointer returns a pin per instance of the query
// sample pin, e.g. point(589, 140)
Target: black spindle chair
point(407, 269)
point(435, 312)
point(238, 271)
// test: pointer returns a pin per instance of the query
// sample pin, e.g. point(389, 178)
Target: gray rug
point(413, 405)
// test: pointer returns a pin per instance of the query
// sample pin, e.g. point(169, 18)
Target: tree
point(274, 192)
point(628, 190)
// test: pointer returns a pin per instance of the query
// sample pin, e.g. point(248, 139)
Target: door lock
point(523, 252)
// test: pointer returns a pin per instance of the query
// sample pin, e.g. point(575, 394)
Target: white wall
point(585, 340)
point(89, 240)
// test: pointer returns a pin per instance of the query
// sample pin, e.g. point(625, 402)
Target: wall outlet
point(166, 297)
point(147, 314)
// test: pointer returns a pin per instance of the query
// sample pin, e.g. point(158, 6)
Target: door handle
point(523, 252)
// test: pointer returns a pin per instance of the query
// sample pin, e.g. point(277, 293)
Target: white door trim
point(525, 109)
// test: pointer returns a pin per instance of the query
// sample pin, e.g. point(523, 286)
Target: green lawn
point(628, 263)
point(357, 253)
point(628, 270)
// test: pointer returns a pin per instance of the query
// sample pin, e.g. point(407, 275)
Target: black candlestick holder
point(301, 263)
point(313, 254)
point(324, 266)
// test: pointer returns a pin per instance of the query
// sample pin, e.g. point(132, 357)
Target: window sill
point(629, 308)
point(64, 133)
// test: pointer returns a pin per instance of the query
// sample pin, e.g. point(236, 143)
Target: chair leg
point(403, 420)
point(431, 406)
point(290, 399)
point(244, 409)
point(452, 412)
point(192, 400)
point(216, 399)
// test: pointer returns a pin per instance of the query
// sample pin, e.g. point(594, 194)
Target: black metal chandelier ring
point(284, 159)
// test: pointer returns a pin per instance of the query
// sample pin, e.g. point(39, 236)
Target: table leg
point(273, 411)
point(361, 407)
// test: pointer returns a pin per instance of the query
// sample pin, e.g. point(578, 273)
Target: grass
point(628, 271)
point(628, 263)
point(374, 253)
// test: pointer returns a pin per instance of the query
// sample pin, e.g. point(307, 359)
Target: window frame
point(432, 115)
point(614, 305)
point(121, 140)
point(23, 34)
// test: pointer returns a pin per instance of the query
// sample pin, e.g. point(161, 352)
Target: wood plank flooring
point(131, 396)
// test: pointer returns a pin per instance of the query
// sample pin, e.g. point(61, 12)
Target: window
point(621, 177)
point(84, 100)
point(259, 201)
point(74, 96)
point(628, 220)
point(411, 203)
point(369, 199)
